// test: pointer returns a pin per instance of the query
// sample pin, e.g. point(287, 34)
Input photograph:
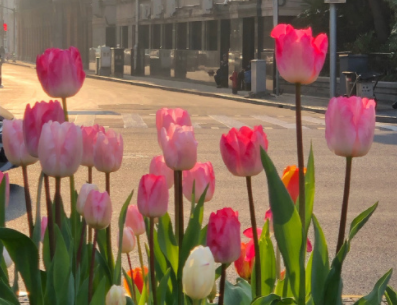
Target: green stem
point(74, 215)
point(50, 218)
point(196, 302)
point(90, 174)
point(91, 276)
point(222, 284)
point(82, 238)
point(343, 216)
point(28, 200)
point(65, 109)
point(258, 285)
point(178, 196)
point(58, 202)
point(285, 287)
point(302, 201)
point(109, 231)
point(151, 248)
point(278, 263)
point(141, 257)
point(133, 285)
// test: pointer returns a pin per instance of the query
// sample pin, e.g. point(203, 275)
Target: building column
point(203, 35)
point(174, 27)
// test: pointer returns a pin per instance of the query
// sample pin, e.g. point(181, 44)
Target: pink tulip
point(269, 215)
point(14, 144)
point(250, 249)
point(34, 119)
point(108, 151)
point(299, 56)
point(134, 220)
point(202, 174)
point(128, 243)
point(223, 236)
point(158, 167)
point(152, 196)
point(350, 125)
point(82, 198)
point(98, 210)
point(179, 147)
point(90, 135)
point(60, 72)
point(166, 116)
point(7, 187)
point(44, 223)
point(60, 149)
point(240, 150)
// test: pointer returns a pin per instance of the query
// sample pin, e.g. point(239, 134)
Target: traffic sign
point(5, 27)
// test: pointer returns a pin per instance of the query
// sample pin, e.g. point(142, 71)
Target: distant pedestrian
point(247, 78)
point(2, 53)
point(234, 79)
point(221, 76)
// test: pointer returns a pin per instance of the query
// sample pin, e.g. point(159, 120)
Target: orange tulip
point(242, 265)
point(291, 181)
point(137, 279)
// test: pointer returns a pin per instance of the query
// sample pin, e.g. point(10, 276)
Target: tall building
point(7, 19)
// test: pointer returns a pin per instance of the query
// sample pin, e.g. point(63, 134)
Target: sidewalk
point(384, 113)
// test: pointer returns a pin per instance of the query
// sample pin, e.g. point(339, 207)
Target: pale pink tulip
point(83, 194)
point(44, 223)
point(90, 134)
point(60, 149)
point(350, 125)
point(14, 144)
point(34, 119)
point(299, 56)
point(134, 220)
point(98, 210)
point(158, 167)
point(108, 151)
point(152, 196)
point(202, 174)
point(166, 116)
point(179, 147)
point(7, 187)
point(60, 72)
point(128, 243)
point(240, 150)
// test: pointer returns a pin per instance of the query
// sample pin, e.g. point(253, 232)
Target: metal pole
point(259, 25)
point(275, 22)
point(332, 53)
point(14, 34)
point(136, 35)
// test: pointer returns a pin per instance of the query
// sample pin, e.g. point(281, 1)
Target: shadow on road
point(16, 208)
point(388, 139)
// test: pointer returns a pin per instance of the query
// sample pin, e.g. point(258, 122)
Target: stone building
point(7, 16)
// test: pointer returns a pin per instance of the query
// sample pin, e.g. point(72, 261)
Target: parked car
point(4, 164)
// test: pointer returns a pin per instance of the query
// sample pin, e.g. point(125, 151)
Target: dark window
point(168, 36)
point(195, 34)
point(143, 37)
point(111, 36)
point(181, 36)
point(212, 35)
point(156, 36)
point(124, 37)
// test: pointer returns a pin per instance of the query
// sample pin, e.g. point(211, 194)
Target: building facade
point(7, 16)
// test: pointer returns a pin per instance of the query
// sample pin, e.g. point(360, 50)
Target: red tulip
point(291, 181)
point(60, 149)
point(14, 144)
point(243, 265)
point(166, 116)
point(152, 196)
point(299, 56)
point(350, 125)
point(108, 151)
point(7, 181)
point(60, 72)
point(179, 147)
point(158, 167)
point(137, 279)
point(134, 220)
point(98, 210)
point(34, 119)
point(202, 174)
point(240, 150)
point(223, 236)
point(250, 250)
point(90, 135)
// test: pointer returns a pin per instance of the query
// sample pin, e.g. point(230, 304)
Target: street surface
point(131, 110)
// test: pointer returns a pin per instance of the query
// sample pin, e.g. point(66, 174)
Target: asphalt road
point(131, 110)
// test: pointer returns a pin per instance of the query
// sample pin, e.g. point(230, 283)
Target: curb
point(21, 65)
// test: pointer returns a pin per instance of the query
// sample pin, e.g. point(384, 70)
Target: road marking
point(133, 120)
point(196, 125)
point(84, 120)
point(384, 126)
point(313, 120)
point(213, 127)
point(274, 121)
point(229, 122)
point(268, 127)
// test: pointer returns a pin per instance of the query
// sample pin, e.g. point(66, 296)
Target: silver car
point(4, 164)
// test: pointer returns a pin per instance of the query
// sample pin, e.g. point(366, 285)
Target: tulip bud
point(116, 296)
point(82, 198)
point(158, 167)
point(98, 210)
point(7, 258)
point(4, 177)
point(152, 196)
point(108, 151)
point(14, 144)
point(134, 220)
point(202, 174)
point(128, 243)
point(242, 265)
point(44, 223)
point(291, 181)
point(199, 273)
point(90, 135)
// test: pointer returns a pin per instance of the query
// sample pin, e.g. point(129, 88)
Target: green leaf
point(320, 267)
point(283, 288)
point(360, 220)
point(375, 296)
point(162, 288)
point(309, 269)
point(4, 302)
point(159, 261)
point(273, 299)
point(7, 294)
point(391, 296)
point(2, 204)
point(310, 184)
point(286, 222)
point(99, 295)
point(239, 294)
point(37, 228)
point(167, 242)
point(203, 236)
point(24, 254)
point(123, 213)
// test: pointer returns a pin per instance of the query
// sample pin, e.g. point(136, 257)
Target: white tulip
point(116, 296)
